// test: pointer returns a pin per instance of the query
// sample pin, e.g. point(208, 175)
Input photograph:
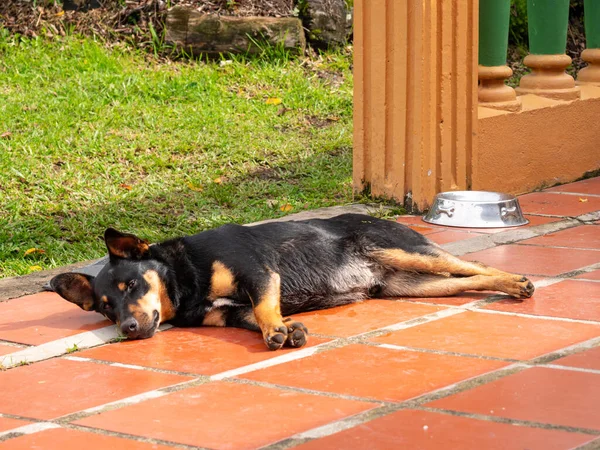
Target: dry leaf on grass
point(195, 188)
point(31, 250)
point(285, 208)
point(273, 101)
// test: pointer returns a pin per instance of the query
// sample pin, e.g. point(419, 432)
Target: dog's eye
point(131, 284)
point(107, 307)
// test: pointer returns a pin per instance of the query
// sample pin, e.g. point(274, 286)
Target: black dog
point(252, 277)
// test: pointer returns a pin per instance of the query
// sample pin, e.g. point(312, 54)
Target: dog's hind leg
point(438, 261)
point(267, 311)
point(405, 284)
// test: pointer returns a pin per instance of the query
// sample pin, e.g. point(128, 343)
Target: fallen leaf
point(34, 268)
point(60, 13)
point(125, 186)
point(285, 208)
point(217, 180)
point(583, 200)
point(195, 188)
point(273, 101)
point(6, 135)
point(31, 250)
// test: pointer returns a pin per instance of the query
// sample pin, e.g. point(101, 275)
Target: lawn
point(93, 137)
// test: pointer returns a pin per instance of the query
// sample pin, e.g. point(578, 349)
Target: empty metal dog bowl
point(475, 209)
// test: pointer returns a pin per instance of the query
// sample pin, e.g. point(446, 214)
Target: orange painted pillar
point(415, 97)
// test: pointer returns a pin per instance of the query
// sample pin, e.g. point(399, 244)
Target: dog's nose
point(129, 326)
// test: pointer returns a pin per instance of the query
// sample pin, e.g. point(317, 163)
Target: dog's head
point(130, 290)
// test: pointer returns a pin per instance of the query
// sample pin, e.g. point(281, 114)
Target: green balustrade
point(547, 24)
point(494, 18)
point(591, 10)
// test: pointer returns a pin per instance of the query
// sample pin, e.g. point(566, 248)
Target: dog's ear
point(76, 288)
point(122, 245)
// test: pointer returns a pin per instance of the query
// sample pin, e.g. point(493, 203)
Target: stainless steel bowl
point(475, 209)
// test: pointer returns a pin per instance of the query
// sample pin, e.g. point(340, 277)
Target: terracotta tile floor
point(44, 317)
point(583, 301)
point(423, 430)
point(474, 371)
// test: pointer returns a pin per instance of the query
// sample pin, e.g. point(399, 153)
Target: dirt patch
point(140, 22)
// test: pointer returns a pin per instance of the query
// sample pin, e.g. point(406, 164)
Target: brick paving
point(475, 371)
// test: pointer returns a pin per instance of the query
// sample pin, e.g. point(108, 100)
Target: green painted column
point(494, 18)
point(591, 11)
point(548, 21)
point(591, 73)
point(547, 25)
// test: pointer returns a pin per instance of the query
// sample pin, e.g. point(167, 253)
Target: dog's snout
point(130, 326)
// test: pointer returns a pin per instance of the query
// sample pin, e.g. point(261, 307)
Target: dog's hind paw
point(296, 334)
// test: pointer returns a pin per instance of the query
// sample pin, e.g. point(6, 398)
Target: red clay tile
point(559, 397)
point(535, 260)
point(66, 439)
point(431, 431)
point(593, 275)
point(227, 415)
point(498, 335)
point(585, 236)
point(375, 372)
point(445, 237)
point(572, 299)
point(6, 349)
point(56, 387)
point(7, 424)
point(423, 230)
point(361, 317)
point(558, 204)
point(588, 359)
point(204, 350)
point(589, 186)
point(456, 300)
point(35, 319)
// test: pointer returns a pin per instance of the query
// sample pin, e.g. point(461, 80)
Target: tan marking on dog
point(122, 286)
point(222, 282)
point(104, 299)
point(444, 262)
point(268, 309)
point(156, 299)
point(214, 318)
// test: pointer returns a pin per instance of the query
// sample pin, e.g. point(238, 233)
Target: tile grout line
point(132, 437)
point(59, 347)
point(30, 428)
point(506, 420)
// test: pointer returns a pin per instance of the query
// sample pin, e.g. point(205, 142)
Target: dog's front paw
point(296, 334)
point(275, 336)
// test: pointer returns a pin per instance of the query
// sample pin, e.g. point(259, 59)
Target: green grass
point(110, 137)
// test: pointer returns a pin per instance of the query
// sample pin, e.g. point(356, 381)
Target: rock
point(325, 20)
point(209, 34)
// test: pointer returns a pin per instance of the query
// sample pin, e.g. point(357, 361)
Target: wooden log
point(209, 34)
